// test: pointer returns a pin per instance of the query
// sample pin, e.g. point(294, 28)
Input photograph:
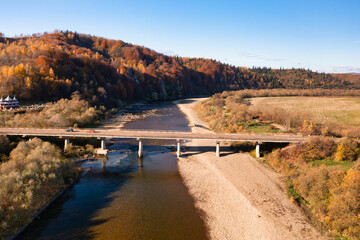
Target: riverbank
point(130, 113)
point(239, 197)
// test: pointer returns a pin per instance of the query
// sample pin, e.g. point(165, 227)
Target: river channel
point(127, 198)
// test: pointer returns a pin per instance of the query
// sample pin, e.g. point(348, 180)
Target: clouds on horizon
point(254, 56)
point(343, 69)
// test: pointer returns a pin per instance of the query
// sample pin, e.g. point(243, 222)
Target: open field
point(344, 111)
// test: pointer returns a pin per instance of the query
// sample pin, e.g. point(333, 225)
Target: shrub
point(310, 128)
point(347, 150)
point(314, 185)
point(34, 173)
point(63, 113)
point(331, 193)
point(344, 207)
point(317, 148)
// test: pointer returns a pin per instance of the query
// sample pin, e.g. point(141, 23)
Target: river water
point(127, 198)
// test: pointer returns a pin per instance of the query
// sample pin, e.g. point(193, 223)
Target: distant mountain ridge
point(107, 72)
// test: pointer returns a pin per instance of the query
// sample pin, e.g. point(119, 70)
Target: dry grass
point(344, 111)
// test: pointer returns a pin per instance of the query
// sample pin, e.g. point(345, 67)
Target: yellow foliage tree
point(344, 207)
point(347, 150)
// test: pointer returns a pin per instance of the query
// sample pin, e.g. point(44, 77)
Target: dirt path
point(239, 197)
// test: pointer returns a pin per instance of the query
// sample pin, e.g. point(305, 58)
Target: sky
point(321, 35)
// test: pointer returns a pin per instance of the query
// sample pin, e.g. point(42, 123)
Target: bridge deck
point(102, 133)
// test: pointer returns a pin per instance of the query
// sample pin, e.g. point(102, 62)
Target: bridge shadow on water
point(187, 151)
point(245, 147)
point(201, 126)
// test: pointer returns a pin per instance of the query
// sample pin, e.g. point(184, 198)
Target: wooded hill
point(353, 78)
point(47, 67)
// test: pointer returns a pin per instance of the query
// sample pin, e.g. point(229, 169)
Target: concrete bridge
point(103, 134)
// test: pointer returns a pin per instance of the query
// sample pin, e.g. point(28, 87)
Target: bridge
point(103, 134)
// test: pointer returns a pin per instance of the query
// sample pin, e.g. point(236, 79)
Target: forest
point(50, 66)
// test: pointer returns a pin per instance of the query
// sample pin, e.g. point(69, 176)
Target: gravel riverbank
point(239, 197)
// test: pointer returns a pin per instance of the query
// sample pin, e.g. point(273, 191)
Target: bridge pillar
point(178, 152)
point(140, 162)
point(67, 142)
point(257, 149)
point(218, 148)
point(103, 144)
point(140, 152)
point(102, 150)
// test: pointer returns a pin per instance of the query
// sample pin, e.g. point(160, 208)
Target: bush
point(34, 173)
point(314, 185)
point(317, 148)
point(331, 193)
point(310, 128)
point(63, 113)
point(347, 150)
point(344, 207)
point(76, 151)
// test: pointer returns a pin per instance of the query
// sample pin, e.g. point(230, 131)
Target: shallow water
point(127, 198)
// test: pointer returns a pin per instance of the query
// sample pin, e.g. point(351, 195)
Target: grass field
point(344, 111)
point(345, 165)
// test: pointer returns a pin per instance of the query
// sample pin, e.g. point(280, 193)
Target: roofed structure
point(9, 103)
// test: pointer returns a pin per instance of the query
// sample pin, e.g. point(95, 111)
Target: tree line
point(51, 66)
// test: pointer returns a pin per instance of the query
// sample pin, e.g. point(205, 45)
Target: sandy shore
point(239, 197)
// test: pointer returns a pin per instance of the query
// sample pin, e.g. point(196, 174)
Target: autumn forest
point(50, 66)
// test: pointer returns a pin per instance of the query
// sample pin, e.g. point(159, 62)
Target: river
point(127, 198)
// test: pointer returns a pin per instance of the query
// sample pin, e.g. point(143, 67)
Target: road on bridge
point(142, 134)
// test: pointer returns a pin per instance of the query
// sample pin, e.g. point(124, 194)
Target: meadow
point(344, 111)
point(310, 112)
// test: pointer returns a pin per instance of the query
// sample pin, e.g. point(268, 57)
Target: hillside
point(47, 67)
point(353, 78)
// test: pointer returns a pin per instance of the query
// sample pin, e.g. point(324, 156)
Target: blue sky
point(323, 35)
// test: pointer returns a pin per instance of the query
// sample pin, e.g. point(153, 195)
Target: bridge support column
point(140, 152)
point(140, 162)
point(102, 150)
point(103, 144)
point(257, 149)
point(67, 142)
point(218, 148)
point(178, 152)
